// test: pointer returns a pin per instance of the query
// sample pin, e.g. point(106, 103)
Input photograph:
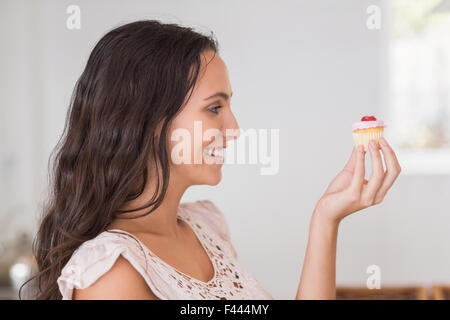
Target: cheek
point(195, 173)
point(194, 132)
point(186, 147)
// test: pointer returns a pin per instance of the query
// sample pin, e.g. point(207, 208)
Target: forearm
point(318, 278)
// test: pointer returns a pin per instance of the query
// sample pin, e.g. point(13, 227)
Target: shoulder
point(121, 282)
point(109, 266)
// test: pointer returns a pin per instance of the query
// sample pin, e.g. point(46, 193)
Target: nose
point(232, 130)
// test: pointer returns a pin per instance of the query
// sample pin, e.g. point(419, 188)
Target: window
point(419, 84)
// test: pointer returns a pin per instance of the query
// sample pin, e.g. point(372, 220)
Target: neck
point(163, 221)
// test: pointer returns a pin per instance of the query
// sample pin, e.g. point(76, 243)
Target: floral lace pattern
point(231, 280)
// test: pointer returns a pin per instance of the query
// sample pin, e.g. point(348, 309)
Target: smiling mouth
point(215, 154)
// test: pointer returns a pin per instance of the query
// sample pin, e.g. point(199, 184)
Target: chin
point(213, 178)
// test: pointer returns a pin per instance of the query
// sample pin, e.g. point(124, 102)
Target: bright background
point(308, 68)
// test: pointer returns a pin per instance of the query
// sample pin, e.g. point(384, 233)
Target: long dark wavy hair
point(137, 78)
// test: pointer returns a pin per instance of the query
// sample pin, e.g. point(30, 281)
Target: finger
point(393, 169)
point(377, 176)
point(359, 172)
point(390, 155)
point(346, 174)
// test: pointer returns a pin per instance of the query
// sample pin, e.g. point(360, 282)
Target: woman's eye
point(214, 109)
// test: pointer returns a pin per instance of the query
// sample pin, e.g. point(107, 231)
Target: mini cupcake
point(369, 128)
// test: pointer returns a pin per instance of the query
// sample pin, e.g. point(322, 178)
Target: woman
point(114, 227)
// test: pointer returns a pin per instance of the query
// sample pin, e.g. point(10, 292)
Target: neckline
point(197, 235)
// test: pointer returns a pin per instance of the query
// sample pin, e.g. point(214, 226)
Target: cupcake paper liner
point(363, 137)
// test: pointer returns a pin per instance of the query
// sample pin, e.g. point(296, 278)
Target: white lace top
point(231, 279)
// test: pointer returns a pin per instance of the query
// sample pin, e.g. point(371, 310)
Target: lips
point(215, 153)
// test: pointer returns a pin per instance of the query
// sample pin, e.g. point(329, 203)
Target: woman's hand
point(347, 193)
point(350, 192)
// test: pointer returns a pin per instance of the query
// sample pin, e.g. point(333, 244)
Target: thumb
point(359, 171)
point(350, 165)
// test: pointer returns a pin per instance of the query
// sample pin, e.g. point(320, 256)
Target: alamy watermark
point(251, 147)
point(73, 21)
point(374, 280)
point(373, 21)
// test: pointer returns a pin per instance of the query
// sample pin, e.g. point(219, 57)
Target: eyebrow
point(220, 94)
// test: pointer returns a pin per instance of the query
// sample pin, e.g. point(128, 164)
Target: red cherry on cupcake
point(368, 118)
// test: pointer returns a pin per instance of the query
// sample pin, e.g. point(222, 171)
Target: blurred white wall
point(308, 68)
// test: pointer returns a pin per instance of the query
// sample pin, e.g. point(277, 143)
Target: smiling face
point(203, 121)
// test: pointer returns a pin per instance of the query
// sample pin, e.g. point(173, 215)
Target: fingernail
point(383, 142)
point(372, 144)
point(361, 149)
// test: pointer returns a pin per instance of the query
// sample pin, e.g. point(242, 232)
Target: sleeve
point(215, 217)
point(96, 257)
